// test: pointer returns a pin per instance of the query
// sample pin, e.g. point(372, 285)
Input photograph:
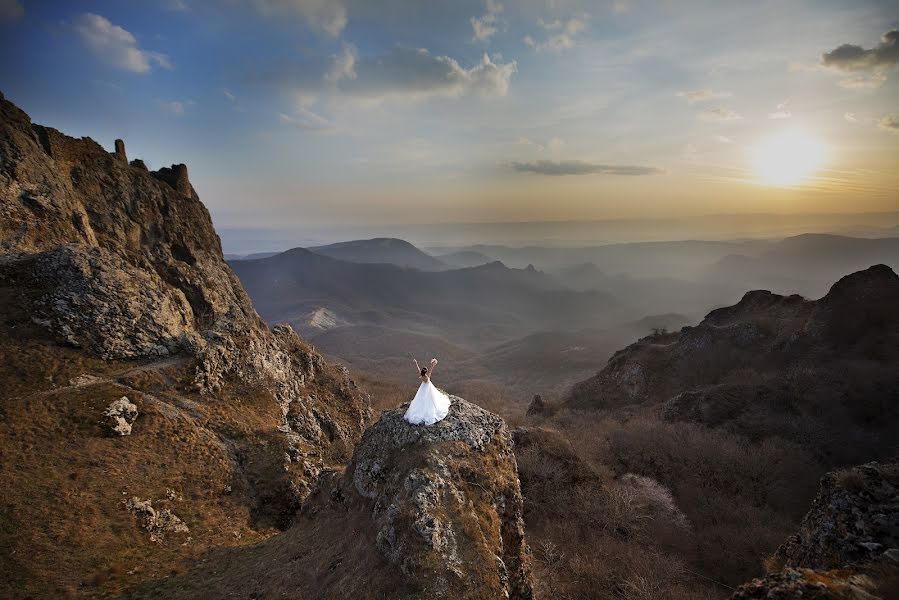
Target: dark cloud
point(849, 57)
point(579, 167)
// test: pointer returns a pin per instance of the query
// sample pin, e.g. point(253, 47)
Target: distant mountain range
point(382, 250)
point(373, 309)
point(479, 305)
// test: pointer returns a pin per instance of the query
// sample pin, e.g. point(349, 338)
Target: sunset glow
point(787, 158)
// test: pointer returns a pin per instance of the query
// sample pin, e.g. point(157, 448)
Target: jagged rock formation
point(421, 512)
point(112, 284)
point(825, 372)
point(133, 268)
point(847, 546)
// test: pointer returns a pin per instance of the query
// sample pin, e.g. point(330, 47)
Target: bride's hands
point(433, 361)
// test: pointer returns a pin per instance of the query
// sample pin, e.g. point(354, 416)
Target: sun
point(787, 158)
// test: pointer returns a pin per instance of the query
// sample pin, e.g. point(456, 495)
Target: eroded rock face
point(125, 263)
point(848, 543)
point(109, 307)
point(446, 502)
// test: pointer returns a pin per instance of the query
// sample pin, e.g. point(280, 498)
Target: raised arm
point(431, 368)
point(417, 368)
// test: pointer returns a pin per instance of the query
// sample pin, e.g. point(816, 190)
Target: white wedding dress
point(429, 405)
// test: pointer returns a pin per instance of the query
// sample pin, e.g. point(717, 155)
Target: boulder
point(120, 416)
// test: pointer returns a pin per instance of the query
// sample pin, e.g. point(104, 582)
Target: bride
point(430, 404)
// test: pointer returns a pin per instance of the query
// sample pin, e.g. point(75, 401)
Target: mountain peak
point(381, 250)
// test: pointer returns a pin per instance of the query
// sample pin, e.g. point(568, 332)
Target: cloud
point(782, 111)
point(559, 35)
point(415, 73)
point(695, 96)
point(724, 139)
point(328, 15)
point(485, 26)
point(719, 114)
point(175, 107)
point(850, 117)
point(307, 121)
point(343, 65)
point(177, 5)
point(116, 46)
point(864, 82)
point(305, 118)
point(849, 57)
point(889, 123)
point(579, 167)
point(231, 97)
point(552, 146)
point(11, 10)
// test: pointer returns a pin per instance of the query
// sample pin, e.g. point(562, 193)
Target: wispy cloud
point(488, 24)
point(552, 145)
point(329, 16)
point(782, 112)
point(175, 107)
point(116, 45)
point(343, 65)
point(579, 167)
point(703, 95)
point(177, 5)
point(863, 82)
point(719, 113)
point(889, 123)
point(305, 118)
point(558, 34)
point(415, 73)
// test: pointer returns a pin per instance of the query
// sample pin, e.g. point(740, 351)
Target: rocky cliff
point(163, 441)
point(847, 546)
point(824, 372)
point(420, 512)
point(113, 286)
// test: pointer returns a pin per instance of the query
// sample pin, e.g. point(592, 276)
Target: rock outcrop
point(446, 502)
point(113, 284)
point(421, 512)
point(120, 416)
point(770, 365)
point(128, 266)
point(847, 546)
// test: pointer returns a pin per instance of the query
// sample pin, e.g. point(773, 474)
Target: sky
point(311, 113)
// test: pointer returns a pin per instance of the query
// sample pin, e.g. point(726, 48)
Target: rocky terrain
point(153, 425)
point(822, 372)
point(847, 546)
point(420, 512)
point(160, 440)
